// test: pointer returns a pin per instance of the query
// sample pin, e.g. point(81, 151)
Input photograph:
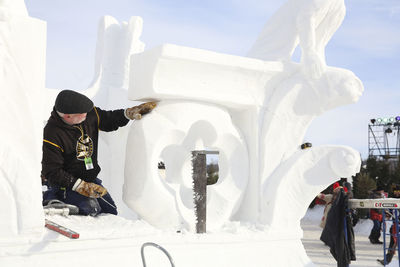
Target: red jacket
point(375, 215)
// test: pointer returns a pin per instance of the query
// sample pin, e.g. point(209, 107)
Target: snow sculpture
point(310, 23)
point(22, 69)
point(229, 83)
point(270, 103)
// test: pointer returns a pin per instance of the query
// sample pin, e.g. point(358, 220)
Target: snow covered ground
point(366, 253)
point(113, 239)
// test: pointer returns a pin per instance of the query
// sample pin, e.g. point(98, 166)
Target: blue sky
point(368, 43)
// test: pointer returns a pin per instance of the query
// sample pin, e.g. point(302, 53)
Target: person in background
point(340, 239)
point(376, 216)
point(329, 199)
point(352, 212)
point(346, 184)
point(395, 193)
point(70, 139)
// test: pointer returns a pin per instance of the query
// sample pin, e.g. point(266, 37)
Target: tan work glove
point(135, 113)
point(89, 189)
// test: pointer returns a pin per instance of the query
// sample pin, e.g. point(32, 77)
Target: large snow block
point(22, 81)
point(177, 72)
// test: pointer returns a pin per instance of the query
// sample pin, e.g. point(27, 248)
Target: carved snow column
point(116, 42)
point(22, 82)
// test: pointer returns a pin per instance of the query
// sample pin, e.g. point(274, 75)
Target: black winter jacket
point(66, 146)
point(334, 234)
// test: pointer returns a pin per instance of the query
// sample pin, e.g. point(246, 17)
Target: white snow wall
point(22, 82)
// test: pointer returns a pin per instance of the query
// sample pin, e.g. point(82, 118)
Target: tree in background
point(379, 171)
point(374, 174)
point(395, 177)
point(212, 173)
point(362, 185)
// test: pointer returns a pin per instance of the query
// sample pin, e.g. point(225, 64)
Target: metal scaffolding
point(384, 139)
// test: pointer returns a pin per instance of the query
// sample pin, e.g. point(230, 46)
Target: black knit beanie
point(71, 102)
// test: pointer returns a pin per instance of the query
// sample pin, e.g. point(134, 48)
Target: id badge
point(88, 163)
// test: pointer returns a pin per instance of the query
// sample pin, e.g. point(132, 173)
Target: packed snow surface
point(116, 240)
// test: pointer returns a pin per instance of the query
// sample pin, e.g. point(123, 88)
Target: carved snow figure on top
point(310, 23)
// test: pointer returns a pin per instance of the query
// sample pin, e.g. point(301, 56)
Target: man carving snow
point(69, 162)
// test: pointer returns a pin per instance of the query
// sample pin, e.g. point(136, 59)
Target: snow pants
point(375, 231)
point(86, 205)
